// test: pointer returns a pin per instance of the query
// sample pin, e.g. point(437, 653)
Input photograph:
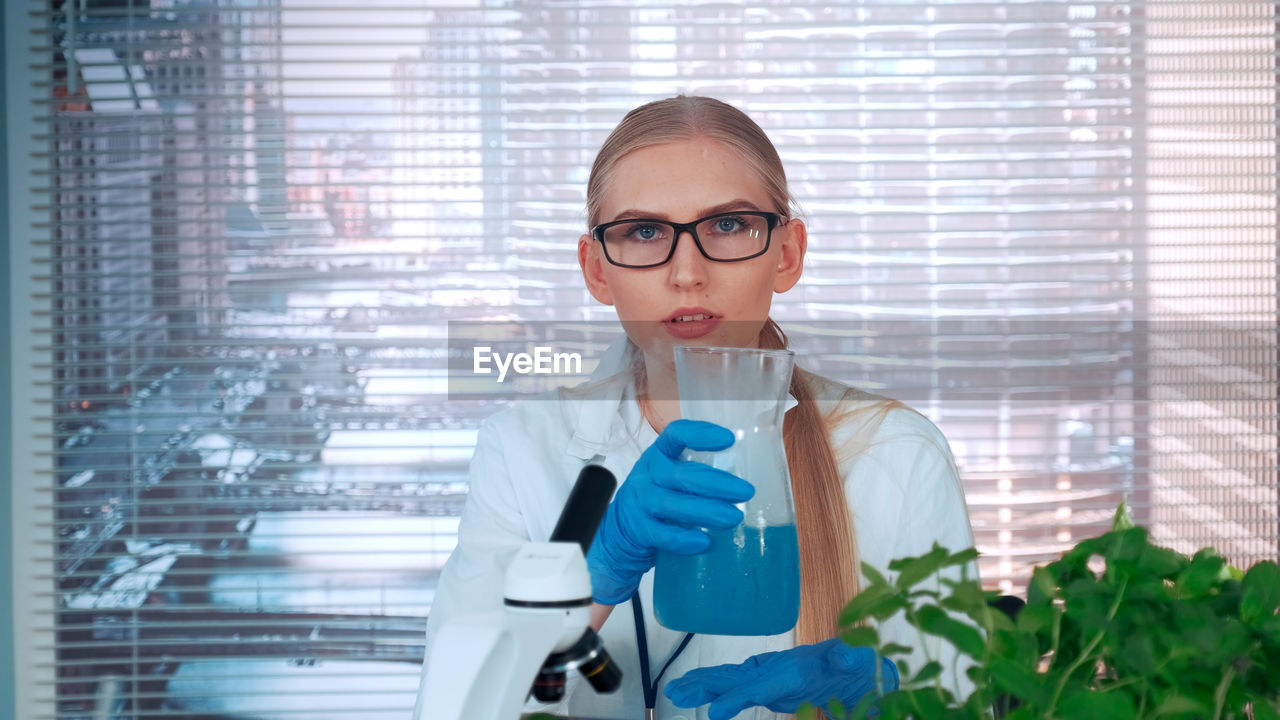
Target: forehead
point(680, 180)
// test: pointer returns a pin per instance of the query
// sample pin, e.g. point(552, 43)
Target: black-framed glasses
point(724, 237)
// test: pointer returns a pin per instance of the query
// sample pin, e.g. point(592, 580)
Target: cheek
point(633, 296)
point(755, 286)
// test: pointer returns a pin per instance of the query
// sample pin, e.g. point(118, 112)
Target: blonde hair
point(684, 118)
point(828, 544)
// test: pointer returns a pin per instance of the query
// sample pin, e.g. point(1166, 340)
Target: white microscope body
point(482, 666)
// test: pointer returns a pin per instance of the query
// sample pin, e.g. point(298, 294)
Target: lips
point(691, 322)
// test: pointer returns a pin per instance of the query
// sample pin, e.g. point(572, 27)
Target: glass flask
point(748, 581)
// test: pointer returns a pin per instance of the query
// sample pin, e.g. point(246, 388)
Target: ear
point(794, 239)
point(592, 261)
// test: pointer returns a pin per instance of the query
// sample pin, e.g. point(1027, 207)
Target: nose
point(688, 267)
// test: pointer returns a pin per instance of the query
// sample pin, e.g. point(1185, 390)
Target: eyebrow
point(713, 210)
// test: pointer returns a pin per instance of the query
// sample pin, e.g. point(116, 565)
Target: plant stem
point(1120, 684)
point(928, 658)
point(986, 656)
point(1220, 695)
point(1057, 635)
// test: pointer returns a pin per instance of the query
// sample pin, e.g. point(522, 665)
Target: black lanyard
point(642, 640)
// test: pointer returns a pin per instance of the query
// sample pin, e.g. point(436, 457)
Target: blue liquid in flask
point(735, 587)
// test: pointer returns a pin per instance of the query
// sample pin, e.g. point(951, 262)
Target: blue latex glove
point(783, 681)
point(661, 506)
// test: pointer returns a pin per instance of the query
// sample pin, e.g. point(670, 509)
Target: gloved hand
point(661, 506)
point(783, 681)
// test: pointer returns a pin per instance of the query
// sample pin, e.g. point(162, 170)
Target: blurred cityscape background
point(1051, 227)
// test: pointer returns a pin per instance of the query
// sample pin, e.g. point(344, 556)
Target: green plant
point(1118, 628)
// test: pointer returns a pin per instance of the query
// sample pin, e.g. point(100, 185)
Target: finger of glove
point(890, 675)
point(694, 435)
point(858, 664)
point(845, 658)
point(670, 521)
point(691, 510)
point(682, 541)
point(694, 478)
point(702, 685)
point(861, 662)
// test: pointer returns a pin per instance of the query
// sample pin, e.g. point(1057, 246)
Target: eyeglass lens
point(725, 237)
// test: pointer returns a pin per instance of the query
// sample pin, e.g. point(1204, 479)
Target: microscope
point(484, 666)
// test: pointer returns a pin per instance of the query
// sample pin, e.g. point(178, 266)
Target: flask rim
point(729, 349)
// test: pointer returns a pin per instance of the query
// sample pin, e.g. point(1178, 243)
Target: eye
point(729, 223)
point(645, 232)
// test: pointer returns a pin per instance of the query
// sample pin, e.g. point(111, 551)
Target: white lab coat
point(904, 493)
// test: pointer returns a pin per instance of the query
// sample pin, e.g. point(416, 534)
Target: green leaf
point(1043, 586)
point(1182, 705)
point(807, 712)
point(1128, 545)
point(931, 670)
point(964, 556)
point(1198, 627)
point(1138, 654)
point(912, 570)
point(865, 603)
point(967, 597)
point(903, 703)
point(1089, 602)
point(873, 575)
point(935, 621)
point(1261, 593)
point(1161, 562)
point(1079, 555)
point(1198, 578)
point(1265, 710)
point(1014, 645)
point(861, 637)
point(1087, 705)
point(863, 708)
point(890, 607)
point(1123, 519)
point(1034, 618)
point(1270, 630)
point(1233, 642)
point(991, 620)
point(1020, 681)
point(1145, 588)
point(837, 708)
point(895, 649)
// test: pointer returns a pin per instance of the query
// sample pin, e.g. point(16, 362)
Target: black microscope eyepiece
point(589, 657)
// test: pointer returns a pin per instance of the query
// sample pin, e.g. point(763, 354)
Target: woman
point(872, 480)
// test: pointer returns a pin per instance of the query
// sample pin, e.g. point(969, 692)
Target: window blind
point(1049, 226)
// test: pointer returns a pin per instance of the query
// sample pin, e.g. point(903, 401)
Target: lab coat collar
point(598, 410)
point(598, 406)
